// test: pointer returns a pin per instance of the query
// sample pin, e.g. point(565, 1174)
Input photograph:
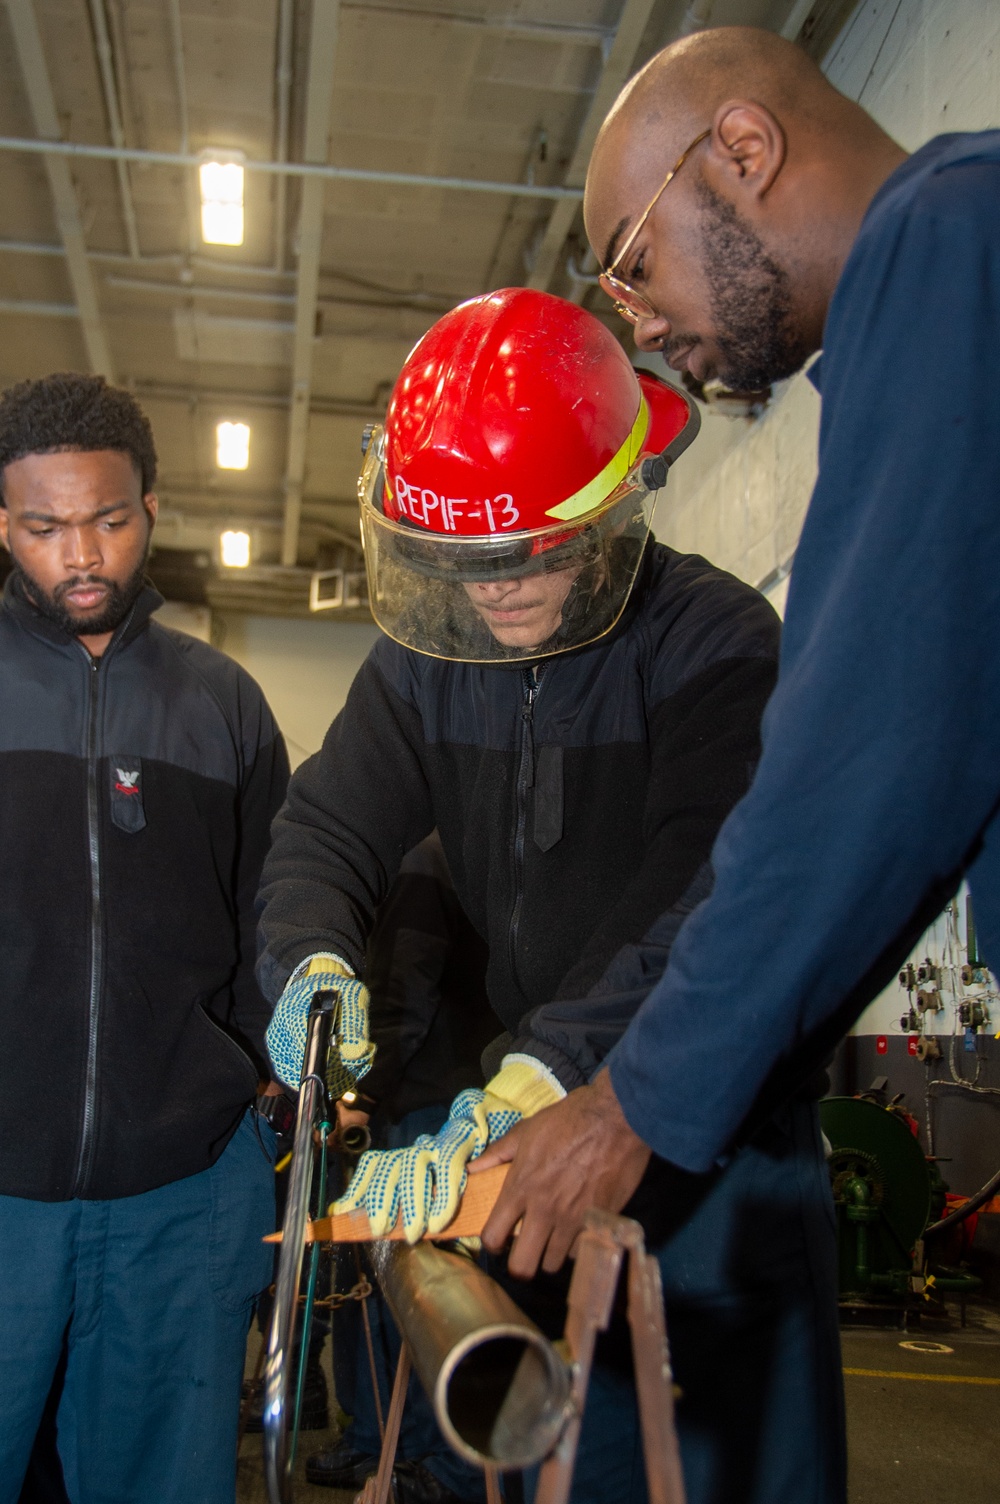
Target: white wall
point(920, 67)
point(304, 667)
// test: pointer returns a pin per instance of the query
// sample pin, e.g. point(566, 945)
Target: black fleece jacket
point(136, 792)
point(426, 968)
point(577, 807)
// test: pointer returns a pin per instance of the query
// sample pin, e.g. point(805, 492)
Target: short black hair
point(70, 410)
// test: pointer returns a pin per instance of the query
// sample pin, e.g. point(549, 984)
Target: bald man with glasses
point(793, 222)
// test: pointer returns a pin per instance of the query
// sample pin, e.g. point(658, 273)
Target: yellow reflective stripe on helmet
point(614, 472)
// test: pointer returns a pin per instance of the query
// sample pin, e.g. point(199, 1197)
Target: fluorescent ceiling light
point(235, 550)
point(232, 446)
point(221, 202)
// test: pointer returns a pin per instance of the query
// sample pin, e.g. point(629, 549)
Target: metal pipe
point(281, 1339)
point(166, 259)
point(500, 1390)
point(189, 290)
point(191, 197)
point(39, 310)
point(180, 80)
point(356, 1139)
point(283, 82)
point(323, 35)
point(105, 60)
point(331, 407)
point(512, 26)
point(99, 153)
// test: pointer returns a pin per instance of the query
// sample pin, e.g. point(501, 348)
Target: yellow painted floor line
point(931, 1378)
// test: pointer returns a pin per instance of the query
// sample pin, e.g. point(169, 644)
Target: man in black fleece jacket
point(139, 772)
point(578, 763)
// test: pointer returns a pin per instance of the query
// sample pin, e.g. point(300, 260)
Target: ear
point(4, 528)
point(750, 143)
point(150, 503)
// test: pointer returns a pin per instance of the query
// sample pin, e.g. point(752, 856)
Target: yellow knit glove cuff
point(524, 1084)
point(327, 963)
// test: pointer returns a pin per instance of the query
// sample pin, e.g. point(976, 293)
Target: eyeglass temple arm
point(654, 469)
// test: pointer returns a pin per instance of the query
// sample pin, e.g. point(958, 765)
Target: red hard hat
point(506, 413)
point(514, 442)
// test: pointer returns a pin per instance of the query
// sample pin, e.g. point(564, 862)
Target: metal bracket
point(602, 1245)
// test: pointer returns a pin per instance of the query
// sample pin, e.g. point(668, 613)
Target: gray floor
point(922, 1425)
point(931, 1438)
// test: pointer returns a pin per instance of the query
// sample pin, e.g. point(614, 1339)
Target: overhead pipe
point(402, 301)
point(105, 62)
point(180, 78)
point(511, 26)
point(283, 88)
point(39, 310)
point(165, 259)
point(323, 34)
point(500, 1390)
point(191, 198)
point(327, 170)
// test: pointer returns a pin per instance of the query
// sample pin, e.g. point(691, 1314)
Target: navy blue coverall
point(879, 784)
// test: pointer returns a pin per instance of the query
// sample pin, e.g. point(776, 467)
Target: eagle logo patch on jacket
point(127, 810)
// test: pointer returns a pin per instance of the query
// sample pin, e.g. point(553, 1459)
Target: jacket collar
point(20, 608)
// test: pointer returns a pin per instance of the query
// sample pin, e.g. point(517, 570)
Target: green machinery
point(886, 1193)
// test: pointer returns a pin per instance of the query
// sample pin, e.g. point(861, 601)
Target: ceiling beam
point(38, 86)
point(618, 66)
point(319, 100)
point(324, 171)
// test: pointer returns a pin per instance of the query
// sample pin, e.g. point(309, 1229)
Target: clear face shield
point(503, 597)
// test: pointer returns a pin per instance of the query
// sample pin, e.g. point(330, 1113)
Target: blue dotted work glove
point(351, 1053)
point(426, 1181)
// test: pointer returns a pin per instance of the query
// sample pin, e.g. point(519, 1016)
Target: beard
point(751, 300)
point(120, 600)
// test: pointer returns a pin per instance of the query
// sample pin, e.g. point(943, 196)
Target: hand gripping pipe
point(499, 1388)
point(279, 1372)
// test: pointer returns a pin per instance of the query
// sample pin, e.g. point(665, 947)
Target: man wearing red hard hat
point(576, 708)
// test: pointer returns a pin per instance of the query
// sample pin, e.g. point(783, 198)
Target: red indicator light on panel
point(881, 1044)
point(913, 1045)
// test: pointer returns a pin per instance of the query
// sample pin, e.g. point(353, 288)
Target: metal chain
point(359, 1291)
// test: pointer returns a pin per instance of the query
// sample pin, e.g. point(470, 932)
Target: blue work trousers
point(151, 1296)
point(750, 1287)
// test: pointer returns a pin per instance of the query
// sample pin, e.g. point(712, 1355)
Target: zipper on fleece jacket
point(525, 780)
point(96, 931)
point(86, 1153)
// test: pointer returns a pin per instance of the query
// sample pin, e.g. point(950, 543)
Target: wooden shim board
point(477, 1202)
